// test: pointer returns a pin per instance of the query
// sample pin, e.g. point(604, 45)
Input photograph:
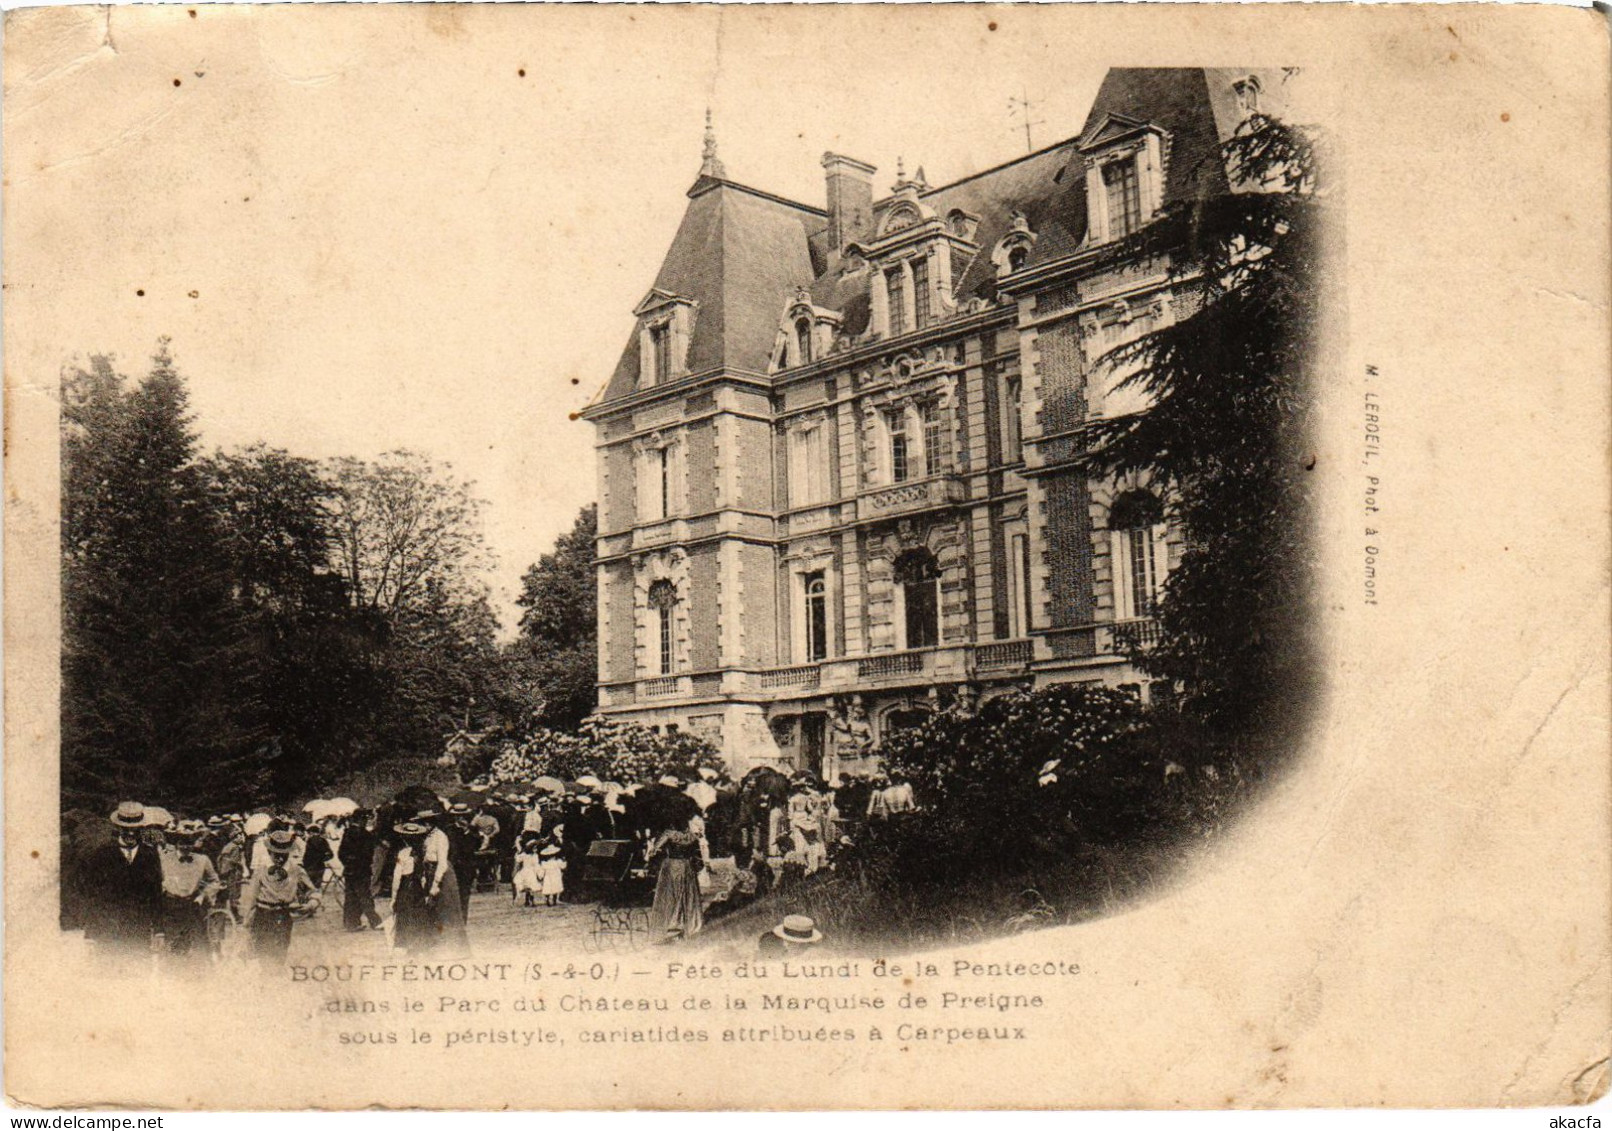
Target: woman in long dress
point(676, 912)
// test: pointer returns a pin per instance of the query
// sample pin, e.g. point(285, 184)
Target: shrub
point(614, 751)
point(1114, 772)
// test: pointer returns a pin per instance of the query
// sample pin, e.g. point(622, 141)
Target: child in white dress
point(553, 870)
point(528, 879)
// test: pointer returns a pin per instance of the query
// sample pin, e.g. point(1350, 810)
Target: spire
point(711, 165)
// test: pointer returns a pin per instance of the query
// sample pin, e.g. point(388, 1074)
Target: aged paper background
point(1419, 915)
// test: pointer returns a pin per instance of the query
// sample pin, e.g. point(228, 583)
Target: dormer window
point(1247, 92)
point(660, 348)
point(1124, 197)
point(1012, 251)
point(803, 341)
point(665, 325)
point(1124, 177)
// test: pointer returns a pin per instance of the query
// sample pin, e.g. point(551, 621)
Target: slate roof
point(740, 253)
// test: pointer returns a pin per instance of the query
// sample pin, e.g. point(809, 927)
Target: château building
point(835, 478)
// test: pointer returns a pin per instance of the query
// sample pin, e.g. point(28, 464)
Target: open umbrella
point(341, 807)
point(315, 805)
point(512, 788)
point(255, 824)
point(549, 784)
point(158, 817)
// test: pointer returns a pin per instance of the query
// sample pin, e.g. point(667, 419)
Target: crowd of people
point(146, 881)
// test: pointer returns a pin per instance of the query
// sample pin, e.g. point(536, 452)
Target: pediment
point(655, 299)
point(1113, 127)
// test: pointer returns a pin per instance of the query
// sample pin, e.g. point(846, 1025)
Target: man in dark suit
point(357, 853)
point(122, 883)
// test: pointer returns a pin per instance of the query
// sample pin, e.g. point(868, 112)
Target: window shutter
point(1161, 560)
point(1119, 568)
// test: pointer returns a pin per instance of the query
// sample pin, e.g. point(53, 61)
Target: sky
point(368, 228)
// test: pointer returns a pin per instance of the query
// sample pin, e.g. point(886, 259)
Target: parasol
point(158, 817)
point(549, 784)
point(255, 824)
point(342, 807)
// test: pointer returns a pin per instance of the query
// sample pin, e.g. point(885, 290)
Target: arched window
point(1016, 258)
point(803, 341)
point(663, 602)
point(917, 576)
point(1140, 553)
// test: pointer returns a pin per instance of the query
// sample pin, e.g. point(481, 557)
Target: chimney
point(850, 198)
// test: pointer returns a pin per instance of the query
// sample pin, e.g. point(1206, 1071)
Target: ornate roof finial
point(901, 170)
point(711, 165)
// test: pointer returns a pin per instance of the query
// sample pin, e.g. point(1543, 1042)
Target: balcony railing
point(1135, 636)
point(891, 663)
point(904, 498)
point(806, 675)
point(659, 688)
point(1006, 654)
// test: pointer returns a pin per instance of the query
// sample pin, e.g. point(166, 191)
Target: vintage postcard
point(806, 557)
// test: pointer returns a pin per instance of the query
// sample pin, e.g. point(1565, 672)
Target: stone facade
point(835, 461)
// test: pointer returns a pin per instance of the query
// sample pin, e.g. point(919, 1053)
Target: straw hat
point(129, 815)
point(282, 840)
point(798, 929)
point(551, 850)
point(410, 828)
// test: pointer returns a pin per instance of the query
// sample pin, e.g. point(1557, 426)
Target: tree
point(1228, 430)
point(408, 542)
point(149, 637)
point(557, 651)
point(406, 530)
point(310, 680)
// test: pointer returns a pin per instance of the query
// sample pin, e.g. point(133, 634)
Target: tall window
point(663, 604)
point(1012, 423)
point(1124, 197)
point(663, 459)
point(896, 421)
point(660, 342)
point(920, 292)
point(808, 466)
point(816, 617)
point(803, 342)
point(934, 421)
point(895, 285)
point(918, 580)
point(1018, 580)
point(1140, 553)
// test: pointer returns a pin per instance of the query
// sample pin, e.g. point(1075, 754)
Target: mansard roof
point(741, 253)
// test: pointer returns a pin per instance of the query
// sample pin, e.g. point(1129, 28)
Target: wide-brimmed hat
point(551, 850)
point(459, 809)
point(129, 815)
point(282, 840)
point(215, 820)
point(428, 814)
point(410, 828)
point(798, 929)
point(186, 831)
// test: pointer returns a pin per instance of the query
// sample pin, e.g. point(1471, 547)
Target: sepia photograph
point(875, 518)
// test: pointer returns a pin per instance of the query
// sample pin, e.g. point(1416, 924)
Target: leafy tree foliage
point(151, 641)
point(557, 651)
point(1228, 430)
point(247, 626)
